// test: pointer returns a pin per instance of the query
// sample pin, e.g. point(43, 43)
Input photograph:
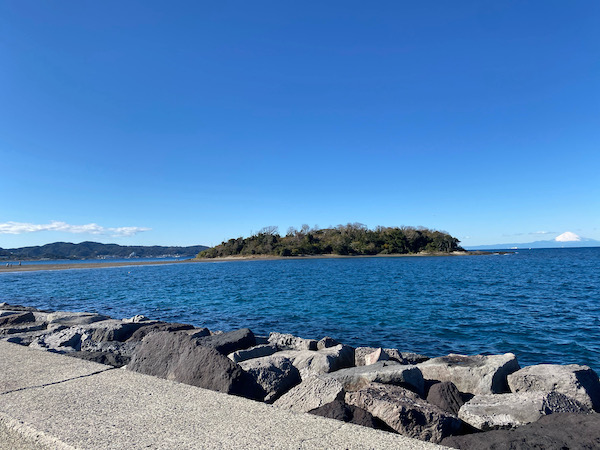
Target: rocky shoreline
point(457, 400)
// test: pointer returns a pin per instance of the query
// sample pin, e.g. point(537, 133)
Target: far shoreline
point(103, 265)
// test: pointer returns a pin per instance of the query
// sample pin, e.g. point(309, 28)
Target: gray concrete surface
point(55, 401)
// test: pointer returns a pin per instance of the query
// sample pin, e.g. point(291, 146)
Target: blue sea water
point(543, 305)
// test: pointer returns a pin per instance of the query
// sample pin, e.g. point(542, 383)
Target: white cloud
point(90, 228)
point(543, 232)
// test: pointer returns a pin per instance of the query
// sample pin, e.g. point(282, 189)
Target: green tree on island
point(350, 239)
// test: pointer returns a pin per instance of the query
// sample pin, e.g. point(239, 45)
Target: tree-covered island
point(351, 239)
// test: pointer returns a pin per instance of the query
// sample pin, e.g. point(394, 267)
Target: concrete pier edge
point(52, 401)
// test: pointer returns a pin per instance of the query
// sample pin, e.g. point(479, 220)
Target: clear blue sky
point(190, 122)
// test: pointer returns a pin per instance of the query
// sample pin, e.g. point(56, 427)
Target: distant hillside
point(564, 240)
point(96, 250)
point(351, 239)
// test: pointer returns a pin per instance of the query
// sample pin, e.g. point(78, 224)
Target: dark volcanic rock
point(6, 307)
point(552, 432)
point(115, 331)
point(276, 375)
point(17, 318)
point(139, 334)
point(405, 412)
point(446, 396)
point(339, 410)
point(110, 359)
point(230, 342)
point(180, 357)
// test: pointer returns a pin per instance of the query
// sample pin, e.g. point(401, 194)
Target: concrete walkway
point(51, 401)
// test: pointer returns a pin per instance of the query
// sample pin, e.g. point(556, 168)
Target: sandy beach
point(102, 265)
point(91, 265)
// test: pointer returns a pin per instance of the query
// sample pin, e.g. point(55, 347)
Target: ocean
point(542, 304)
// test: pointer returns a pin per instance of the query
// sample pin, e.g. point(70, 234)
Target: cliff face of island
point(351, 239)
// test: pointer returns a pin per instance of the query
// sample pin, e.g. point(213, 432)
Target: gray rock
point(137, 319)
point(389, 354)
point(410, 358)
point(22, 328)
point(327, 342)
point(158, 327)
point(405, 412)
point(275, 375)
point(360, 353)
point(503, 411)
point(314, 392)
point(254, 352)
point(575, 381)
point(74, 318)
point(63, 341)
point(198, 332)
point(177, 356)
point(230, 342)
point(377, 355)
point(124, 349)
point(384, 372)
point(475, 375)
point(323, 361)
point(16, 318)
point(446, 396)
point(112, 330)
point(109, 359)
point(290, 342)
point(6, 307)
point(553, 432)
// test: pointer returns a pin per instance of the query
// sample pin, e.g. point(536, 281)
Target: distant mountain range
point(96, 250)
point(565, 240)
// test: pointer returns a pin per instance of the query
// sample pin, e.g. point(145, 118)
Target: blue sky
point(181, 123)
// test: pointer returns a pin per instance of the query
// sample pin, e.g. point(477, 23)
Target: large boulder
point(446, 396)
point(327, 342)
point(157, 327)
point(339, 410)
point(16, 318)
point(74, 318)
point(291, 342)
point(578, 382)
point(389, 372)
point(257, 351)
point(232, 341)
point(6, 307)
point(314, 392)
point(109, 359)
point(388, 354)
point(112, 330)
point(125, 350)
point(179, 357)
point(63, 341)
point(405, 412)
point(330, 359)
point(475, 375)
point(499, 411)
point(275, 375)
point(556, 431)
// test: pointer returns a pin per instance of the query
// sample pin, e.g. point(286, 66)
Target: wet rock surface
point(553, 432)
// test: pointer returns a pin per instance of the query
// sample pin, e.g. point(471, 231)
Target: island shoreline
point(104, 265)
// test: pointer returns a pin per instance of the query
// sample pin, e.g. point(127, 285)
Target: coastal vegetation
point(95, 250)
point(350, 239)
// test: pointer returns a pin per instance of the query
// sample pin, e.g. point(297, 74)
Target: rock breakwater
point(455, 400)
